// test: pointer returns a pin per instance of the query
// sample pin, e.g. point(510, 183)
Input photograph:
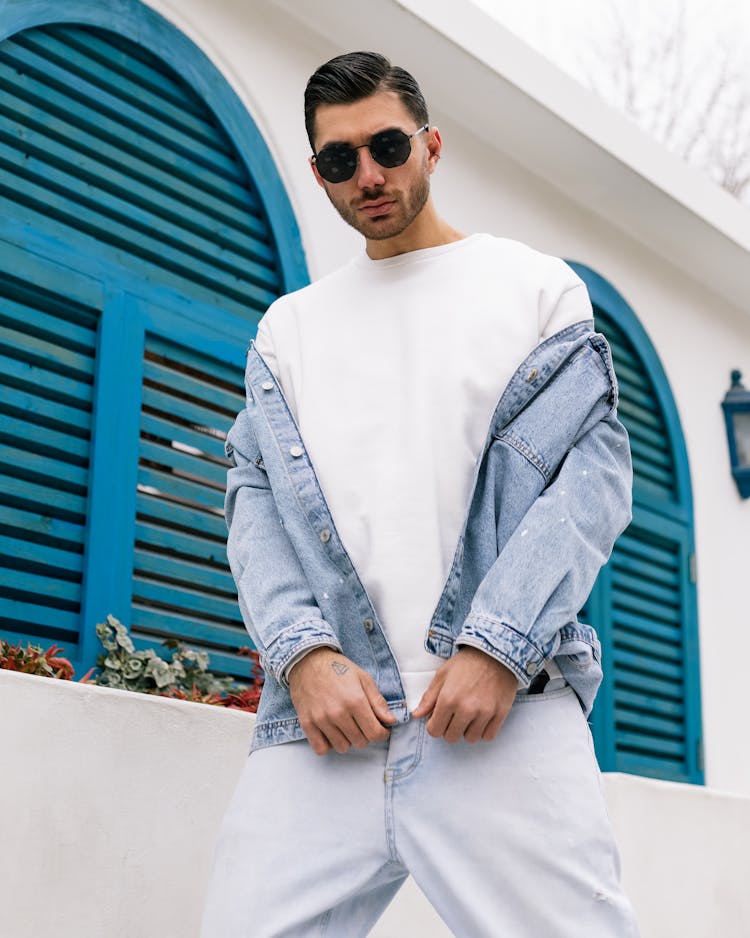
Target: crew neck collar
point(414, 257)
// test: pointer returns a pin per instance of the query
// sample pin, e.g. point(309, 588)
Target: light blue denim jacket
point(551, 492)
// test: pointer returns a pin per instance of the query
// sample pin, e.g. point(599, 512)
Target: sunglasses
point(337, 162)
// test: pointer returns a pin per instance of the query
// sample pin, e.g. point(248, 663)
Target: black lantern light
point(736, 405)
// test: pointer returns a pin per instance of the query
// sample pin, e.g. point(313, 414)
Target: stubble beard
point(389, 226)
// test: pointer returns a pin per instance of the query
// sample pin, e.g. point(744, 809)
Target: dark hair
point(356, 75)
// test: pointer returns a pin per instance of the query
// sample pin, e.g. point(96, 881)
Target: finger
point(353, 732)
point(376, 700)
point(441, 717)
point(491, 730)
point(318, 743)
point(456, 728)
point(427, 702)
point(475, 729)
point(336, 738)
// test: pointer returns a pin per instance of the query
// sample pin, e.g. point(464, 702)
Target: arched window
point(137, 253)
point(647, 718)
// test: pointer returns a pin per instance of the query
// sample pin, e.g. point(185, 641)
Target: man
point(428, 474)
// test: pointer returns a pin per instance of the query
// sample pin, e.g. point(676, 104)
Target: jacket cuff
point(298, 657)
point(291, 641)
point(501, 641)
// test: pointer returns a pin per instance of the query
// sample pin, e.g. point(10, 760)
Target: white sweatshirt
point(392, 369)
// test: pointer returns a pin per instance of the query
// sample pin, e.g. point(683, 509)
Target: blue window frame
point(647, 717)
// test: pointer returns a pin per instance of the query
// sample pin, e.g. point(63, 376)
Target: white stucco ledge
point(111, 802)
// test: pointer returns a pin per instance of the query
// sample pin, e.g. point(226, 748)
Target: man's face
point(380, 203)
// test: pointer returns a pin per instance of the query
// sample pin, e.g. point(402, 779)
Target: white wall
point(699, 336)
point(112, 801)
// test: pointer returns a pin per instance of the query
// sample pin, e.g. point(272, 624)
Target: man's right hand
point(337, 702)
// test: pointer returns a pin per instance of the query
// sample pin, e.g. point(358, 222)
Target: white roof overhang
point(496, 86)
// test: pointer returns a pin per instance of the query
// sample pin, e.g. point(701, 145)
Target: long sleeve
point(275, 598)
point(546, 569)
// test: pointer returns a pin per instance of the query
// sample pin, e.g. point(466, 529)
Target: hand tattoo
point(339, 667)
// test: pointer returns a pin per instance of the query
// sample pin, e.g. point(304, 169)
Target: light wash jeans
point(507, 839)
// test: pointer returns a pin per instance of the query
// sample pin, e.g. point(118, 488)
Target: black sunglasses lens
point(390, 148)
point(336, 162)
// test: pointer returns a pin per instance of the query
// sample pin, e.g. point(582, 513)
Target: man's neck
point(427, 230)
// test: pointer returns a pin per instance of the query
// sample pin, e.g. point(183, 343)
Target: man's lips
point(376, 208)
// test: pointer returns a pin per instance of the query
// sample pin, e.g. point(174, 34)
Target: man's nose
point(369, 173)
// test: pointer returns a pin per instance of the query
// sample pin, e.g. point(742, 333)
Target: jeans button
point(369, 625)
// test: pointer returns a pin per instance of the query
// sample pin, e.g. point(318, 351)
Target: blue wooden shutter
point(181, 582)
point(647, 716)
point(110, 158)
point(48, 340)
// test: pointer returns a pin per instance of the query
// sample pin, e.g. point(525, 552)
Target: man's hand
point(337, 702)
point(469, 696)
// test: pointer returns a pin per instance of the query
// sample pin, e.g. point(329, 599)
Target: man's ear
point(434, 143)
point(318, 177)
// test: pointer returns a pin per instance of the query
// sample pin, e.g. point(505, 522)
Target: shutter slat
point(664, 670)
point(632, 723)
point(181, 517)
point(48, 354)
point(45, 325)
point(41, 528)
point(146, 620)
point(190, 385)
point(47, 413)
point(643, 607)
point(44, 440)
point(190, 601)
point(34, 619)
point(199, 496)
point(18, 553)
point(192, 547)
point(27, 493)
point(44, 469)
point(646, 703)
point(645, 625)
point(638, 586)
point(31, 376)
point(189, 411)
point(149, 564)
point(640, 644)
point(179, 433)
point(26, 586)
point(642, 742)
point(205, 472)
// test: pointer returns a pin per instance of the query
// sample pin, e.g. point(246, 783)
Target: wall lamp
point(736, 406)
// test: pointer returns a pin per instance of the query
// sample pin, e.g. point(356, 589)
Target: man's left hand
point(470, 696)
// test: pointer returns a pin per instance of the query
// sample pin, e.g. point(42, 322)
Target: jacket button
point(369, 625)
point(325, 535)
point(267, 385)
point(532, 374)
point(532, 667)
point(296, 450)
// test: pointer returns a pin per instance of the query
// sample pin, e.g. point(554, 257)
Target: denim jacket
point(551, 492)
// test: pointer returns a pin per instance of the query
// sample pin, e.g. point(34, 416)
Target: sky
point(709, 130)
point(557, 27)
